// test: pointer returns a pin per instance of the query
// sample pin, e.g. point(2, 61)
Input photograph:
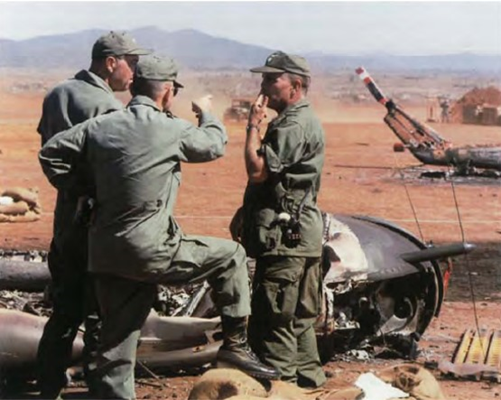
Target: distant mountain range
point(199, 51)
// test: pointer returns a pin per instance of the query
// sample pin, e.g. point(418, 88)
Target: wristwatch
point(249, 127)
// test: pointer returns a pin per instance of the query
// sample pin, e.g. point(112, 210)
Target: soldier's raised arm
point(207, 141)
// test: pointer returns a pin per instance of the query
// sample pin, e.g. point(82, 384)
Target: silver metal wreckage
point(381, 284)
point(428, 146)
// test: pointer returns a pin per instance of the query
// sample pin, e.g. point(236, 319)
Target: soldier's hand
point(258, 110)
point(202, 104)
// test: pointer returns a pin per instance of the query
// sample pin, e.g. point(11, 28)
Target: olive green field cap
point(157, 68)
point(117, 44)
point(282, 62)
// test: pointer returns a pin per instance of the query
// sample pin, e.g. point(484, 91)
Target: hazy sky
point(422, 27)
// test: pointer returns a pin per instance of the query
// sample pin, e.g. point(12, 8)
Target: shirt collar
point(93, 79)
point(289, 110)
point(143, 101)
point(300, 104)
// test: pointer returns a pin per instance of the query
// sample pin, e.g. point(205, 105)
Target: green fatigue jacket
point(294, 150)
point(135, 157)
point(76, 100)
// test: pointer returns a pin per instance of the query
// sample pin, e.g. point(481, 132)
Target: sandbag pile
point(413, 379)
point(19, 205)
point(218, 384)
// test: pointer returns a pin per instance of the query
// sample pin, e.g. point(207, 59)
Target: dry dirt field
point(361, 176)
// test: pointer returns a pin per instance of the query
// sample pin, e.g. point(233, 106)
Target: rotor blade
point(371, 85)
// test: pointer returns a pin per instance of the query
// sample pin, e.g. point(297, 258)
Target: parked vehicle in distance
point(238, 111)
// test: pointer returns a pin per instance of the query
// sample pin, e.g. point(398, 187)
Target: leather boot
point(236, 352)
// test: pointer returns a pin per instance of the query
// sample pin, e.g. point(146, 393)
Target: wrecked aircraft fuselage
point(166, 342)
point(380, 282)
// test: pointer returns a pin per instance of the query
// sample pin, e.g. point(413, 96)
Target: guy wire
point(399, 169)
point(467, 264)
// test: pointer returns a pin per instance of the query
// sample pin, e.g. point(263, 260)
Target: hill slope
point(197, 50)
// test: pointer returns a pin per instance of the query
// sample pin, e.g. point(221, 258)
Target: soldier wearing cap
point(280, 224)
point(87, 95)
point(135, 157)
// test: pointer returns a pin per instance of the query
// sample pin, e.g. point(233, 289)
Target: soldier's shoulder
point(302, 116)
point(309, 123)
point(298, 112)
point(67, 87)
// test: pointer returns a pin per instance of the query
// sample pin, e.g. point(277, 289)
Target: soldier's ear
point(111, 63)
point(169, 88)
point(297, 84)
point(167, 96)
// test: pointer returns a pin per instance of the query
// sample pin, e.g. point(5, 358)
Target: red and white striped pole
point(371, 85)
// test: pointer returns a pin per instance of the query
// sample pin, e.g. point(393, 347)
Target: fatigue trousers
point(125, 304)
point(286, 301)
point(74, 303)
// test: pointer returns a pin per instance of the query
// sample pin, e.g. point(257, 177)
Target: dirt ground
point(362, 175)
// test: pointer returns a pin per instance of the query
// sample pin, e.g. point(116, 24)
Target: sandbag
point(223, 383)
point(30, 196)
point(232, 384)
point(24, 208)
point(30, 216)
point(289, 391)
point(19, 207)
point(246, 397)
point(351, 393)
point(413, 379)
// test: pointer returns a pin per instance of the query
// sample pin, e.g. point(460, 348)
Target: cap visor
point(266, 70)
point(139, 52)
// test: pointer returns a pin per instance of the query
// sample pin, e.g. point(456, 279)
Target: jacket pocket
point(310, 291)
point(261, 233)
point(282, 294)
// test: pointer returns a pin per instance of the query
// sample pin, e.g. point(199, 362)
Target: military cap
point(282, 62)
point(117, 44)
point(157, 68)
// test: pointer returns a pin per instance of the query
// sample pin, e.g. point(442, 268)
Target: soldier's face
point(278, 88)
point(123, 72)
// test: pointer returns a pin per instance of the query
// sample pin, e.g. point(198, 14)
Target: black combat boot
point(236, 352)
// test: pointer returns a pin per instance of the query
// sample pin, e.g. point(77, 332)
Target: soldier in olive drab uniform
point(445, 114)
point(87, 95)
point(282, 225)
point(135, 157)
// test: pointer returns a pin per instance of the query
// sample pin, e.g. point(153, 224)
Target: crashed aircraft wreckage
point(428, 146)
point(175, 342)
point(380, 282)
